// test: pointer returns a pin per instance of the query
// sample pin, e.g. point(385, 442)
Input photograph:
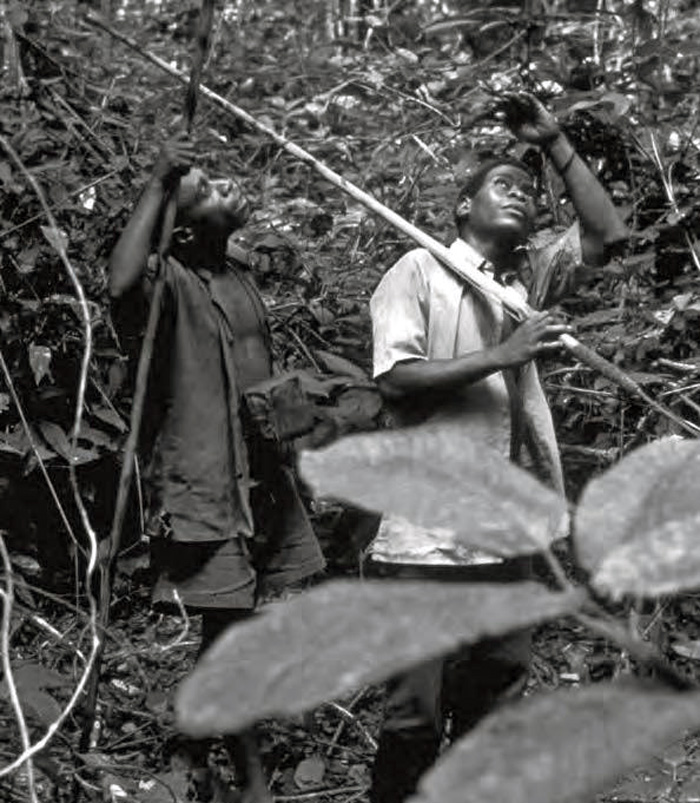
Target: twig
point(675, 365)
point(350, 718)
point(334, 741)
point(106, 147)
point(637, 649)
point(513, 304)
point(607, 455)
point(614, 374)
point(309, 356)
point(182, 635)
point(690, 403)
point(73, 129)
point(7, 595)
point(601, 394)
point(667, 182)
point(40, 623)
point(682, 389)
point(320, 793)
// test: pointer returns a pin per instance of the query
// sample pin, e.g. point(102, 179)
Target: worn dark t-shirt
point(199, 475)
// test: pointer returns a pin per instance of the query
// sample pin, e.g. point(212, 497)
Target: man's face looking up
point(207, 202)
point(504, 205)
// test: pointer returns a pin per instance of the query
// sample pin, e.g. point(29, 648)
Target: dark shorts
point(237, 572)
point(225, 574)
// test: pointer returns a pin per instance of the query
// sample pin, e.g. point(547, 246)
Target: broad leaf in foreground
point(437, 477)
point(561, 747)
point(661, 561)
point(636, 525)
point(343, 635)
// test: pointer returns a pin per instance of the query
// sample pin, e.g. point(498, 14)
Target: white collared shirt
point(422, 311)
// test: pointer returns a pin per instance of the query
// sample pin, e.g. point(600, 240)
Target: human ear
point(464, 207)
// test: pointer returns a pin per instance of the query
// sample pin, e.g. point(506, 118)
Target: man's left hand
point(528, 119)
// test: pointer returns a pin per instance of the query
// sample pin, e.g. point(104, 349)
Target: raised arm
point(130, 256)
point(601, 225)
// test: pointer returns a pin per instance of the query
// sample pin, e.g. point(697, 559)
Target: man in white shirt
point(444, 353)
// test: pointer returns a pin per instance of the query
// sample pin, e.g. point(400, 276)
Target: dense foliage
point(399, 98)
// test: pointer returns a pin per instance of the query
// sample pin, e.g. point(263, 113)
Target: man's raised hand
point(528, 119)
point(176, 157)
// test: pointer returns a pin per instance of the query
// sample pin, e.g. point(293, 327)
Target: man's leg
point(411, 732)
point(484, 676)
point(216, 580)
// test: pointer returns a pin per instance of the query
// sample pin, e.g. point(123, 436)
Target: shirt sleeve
point(555, 263)
point(399, 311)
point(130, 311)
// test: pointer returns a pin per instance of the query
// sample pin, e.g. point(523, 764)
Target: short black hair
point(476, 180)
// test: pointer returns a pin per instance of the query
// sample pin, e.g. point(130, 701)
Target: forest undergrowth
point(400, 102)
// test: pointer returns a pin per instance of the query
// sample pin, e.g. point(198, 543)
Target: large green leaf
point(561, 747)
point(664, 560)
point(636, 526)
point(438, 477)
point(345, 634)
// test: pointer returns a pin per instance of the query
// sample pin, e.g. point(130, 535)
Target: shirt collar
point(465, 253)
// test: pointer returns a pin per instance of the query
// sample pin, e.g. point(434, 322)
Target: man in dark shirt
point(229, 523)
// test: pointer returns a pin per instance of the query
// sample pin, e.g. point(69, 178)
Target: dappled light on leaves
point(345, 634)
point(438, 477)
point(561, 747)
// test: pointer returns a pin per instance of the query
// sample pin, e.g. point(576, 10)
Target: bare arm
point(130, 256)
point(601, 225)
point(533, 337)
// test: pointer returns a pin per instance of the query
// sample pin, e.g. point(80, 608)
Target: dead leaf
point(57, 238)
point(309, 772)
point(58, 441)
point(109, 416)
point(687, 649)
point(40, 362)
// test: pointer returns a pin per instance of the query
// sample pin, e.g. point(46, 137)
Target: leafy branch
point(634, 535)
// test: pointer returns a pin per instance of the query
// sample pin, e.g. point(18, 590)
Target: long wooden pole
point(127, 470)
point(512, 302)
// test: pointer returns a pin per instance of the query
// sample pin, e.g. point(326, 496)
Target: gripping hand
point(176, 157)
point(528, 119)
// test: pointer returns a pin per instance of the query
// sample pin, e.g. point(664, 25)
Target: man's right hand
point(535, 336)
point(176, 157)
